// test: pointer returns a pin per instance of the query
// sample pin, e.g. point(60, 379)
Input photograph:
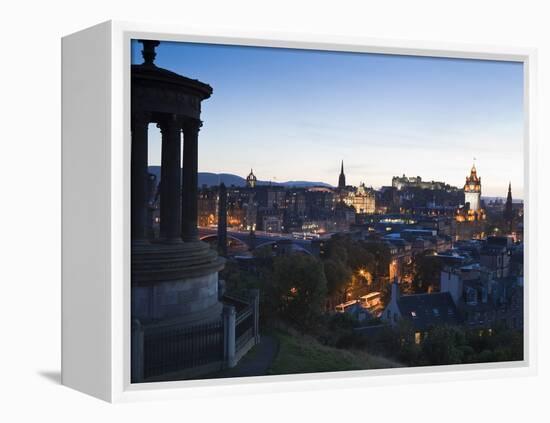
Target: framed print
point(258, 212)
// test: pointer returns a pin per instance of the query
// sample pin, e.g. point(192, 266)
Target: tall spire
point(342, 177)
point(509, 196)
point(508, 213)
point(473, 174)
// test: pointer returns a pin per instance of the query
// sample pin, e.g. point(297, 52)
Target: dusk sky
point(295, 114)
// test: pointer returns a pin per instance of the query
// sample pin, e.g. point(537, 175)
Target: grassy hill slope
point(304, 354)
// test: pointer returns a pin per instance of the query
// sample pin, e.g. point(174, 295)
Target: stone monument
point(175, 277)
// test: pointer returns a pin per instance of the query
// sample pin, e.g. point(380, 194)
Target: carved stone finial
point(148, 51)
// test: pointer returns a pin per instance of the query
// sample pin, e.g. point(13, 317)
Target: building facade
point(362, 199)
point(472, 190)
point(403, 182)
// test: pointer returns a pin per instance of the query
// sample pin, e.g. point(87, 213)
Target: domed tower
point(251, 180)
point(472, 190)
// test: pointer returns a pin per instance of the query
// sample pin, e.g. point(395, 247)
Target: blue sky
point(295, 114)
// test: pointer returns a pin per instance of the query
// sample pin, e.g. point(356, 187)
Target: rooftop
point(425, 310)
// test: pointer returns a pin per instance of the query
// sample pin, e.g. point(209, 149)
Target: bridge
point(262, 239)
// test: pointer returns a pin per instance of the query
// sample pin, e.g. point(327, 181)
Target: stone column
point(190, 179)
point(136, 352)
point(229, 318)
point(170, 189)
point(139, 175)
point(255, 294)
point(222, 221)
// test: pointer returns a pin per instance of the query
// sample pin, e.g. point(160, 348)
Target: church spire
point(509, 196)
point(342, 177)
point(508, 208)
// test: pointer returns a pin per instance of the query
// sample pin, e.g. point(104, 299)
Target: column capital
point(140, 119)
point(192, 124)
point(169, 123)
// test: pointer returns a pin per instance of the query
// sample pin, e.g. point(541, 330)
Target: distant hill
point(212, 179)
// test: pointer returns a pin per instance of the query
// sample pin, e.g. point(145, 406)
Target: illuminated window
point(417, 337)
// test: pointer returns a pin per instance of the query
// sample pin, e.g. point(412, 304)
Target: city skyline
point(246, 279)
point(295, 114)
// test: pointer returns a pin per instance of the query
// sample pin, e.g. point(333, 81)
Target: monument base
point(175, 281)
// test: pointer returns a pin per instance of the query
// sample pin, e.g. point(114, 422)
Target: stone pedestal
point(178, 281)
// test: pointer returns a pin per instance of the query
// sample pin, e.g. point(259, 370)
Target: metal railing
point(244, 327)
point(162, 349)
point(174, 349)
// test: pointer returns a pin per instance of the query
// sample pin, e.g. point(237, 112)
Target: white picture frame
point(96, 213)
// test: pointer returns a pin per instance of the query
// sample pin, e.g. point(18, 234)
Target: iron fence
point(244, 327)
point(172, 349)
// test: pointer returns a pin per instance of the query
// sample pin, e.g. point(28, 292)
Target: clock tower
point(472, 190)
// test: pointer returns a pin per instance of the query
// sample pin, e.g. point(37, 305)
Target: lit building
point(473, 211)
point(272, 223)
point(362, 199)
point(472, 190)
point(421, 311)
point(403, 182)
point(207, 207)
point(251, 213)
point(484, 299)
point(496, 255)
point(251, 180)
point(274, 197)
